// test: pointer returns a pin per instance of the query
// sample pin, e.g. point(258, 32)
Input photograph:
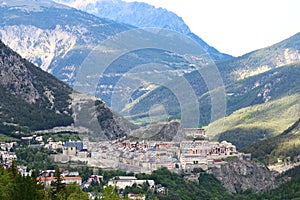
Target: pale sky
point(237, 27)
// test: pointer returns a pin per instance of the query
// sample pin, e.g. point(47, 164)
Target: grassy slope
point(284, 146)
point(250, 124)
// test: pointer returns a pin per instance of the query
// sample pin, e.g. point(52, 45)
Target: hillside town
point(136, 156)
point(128, 155)
point(147, 156)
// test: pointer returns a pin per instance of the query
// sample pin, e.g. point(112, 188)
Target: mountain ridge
point(142, 15)
point(234, 72)
point(51, 45)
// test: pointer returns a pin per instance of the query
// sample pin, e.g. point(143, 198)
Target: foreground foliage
point(178, 188)
point(15, 186)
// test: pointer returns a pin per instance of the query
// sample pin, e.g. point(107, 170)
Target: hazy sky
point(237, 26)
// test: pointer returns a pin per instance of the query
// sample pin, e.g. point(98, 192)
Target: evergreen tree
point(110, 193)
point(58, 186)
point(5, 184)
point(74, 192)
point(13, 170)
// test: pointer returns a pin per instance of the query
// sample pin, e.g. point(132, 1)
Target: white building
point(67, 180)
point(122, 181)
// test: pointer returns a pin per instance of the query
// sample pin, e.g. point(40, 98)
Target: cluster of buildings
point(120, 182)
point(204, 154)
point(196, 151)
point(7, 155)
point(147, 156)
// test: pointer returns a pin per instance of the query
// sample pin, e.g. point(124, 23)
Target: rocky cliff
point(241, 175)
point(161, 131)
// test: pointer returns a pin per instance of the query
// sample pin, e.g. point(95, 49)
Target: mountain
point(161, 131)
point(74, 46)
point(259, 61)
point(255, 78)
point(33, 100)
point(284, 146)
point(28, 94)
point(56, 38)
point(132, 84)
point(141, 15)
point(255, 104)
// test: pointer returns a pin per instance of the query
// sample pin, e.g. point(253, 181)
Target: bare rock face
point(15, 76)
point(241, 175)
point(54, 37)
point(39, 46)
point(161, 131)
point(101, 122)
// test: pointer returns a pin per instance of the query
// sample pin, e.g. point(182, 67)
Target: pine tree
point(58, 186)
point(110, 193)
point(13, 170)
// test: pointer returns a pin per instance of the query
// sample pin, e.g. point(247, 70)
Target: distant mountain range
point(59, 39)
point(51, 35)
point(141, 15)
point(245, 79)
point(262, 93)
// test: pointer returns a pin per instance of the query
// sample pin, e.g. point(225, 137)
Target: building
point(39, 138)
point(136, 196)
point(70, 173)
point(122, 182)
point(161, 190)
point(54, 145)
point(71, 148)
point(92, 178)
point(195, 133)
point(95, 178)
point(47, 173)
point(202, 153)
point(7, 146)
point(23, 171)
point(67, 180)
point(78, 145)
point(8, 157)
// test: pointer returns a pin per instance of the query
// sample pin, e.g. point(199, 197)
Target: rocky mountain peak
point(141, 15)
